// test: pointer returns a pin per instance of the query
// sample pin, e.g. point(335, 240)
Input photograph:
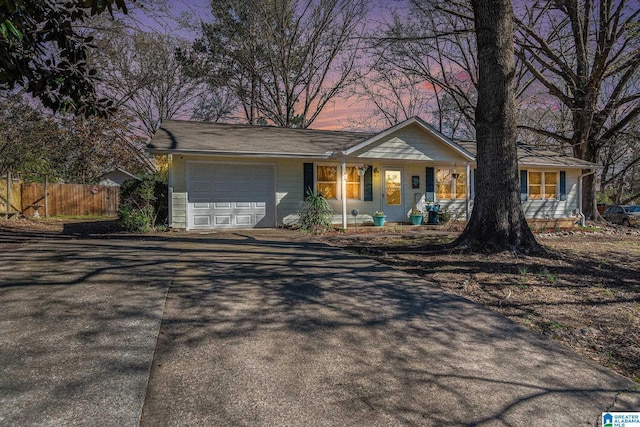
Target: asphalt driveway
point(259, 329)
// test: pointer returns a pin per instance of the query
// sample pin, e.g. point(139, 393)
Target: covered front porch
point(396, 190)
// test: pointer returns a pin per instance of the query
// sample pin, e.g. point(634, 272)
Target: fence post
point(8, 191)
point(46, 194)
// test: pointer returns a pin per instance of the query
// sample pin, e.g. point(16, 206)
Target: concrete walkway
point(258, 329)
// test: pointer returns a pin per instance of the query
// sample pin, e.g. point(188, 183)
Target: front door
point(392, 194)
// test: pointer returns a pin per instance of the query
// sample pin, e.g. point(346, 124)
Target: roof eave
point(552, 165)
point(225, 153)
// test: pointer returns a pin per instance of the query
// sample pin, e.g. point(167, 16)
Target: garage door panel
point(231, 196)
point(244, 219)
point(201, 220)
point(221, 220)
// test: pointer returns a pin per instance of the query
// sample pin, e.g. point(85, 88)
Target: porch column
point(344, 192)
point(467, 213)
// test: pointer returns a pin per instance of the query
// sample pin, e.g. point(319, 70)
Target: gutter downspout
point(344, 192)
point(467, 206)
point(582, 217)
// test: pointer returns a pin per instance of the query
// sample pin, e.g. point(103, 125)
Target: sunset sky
point(336, 115)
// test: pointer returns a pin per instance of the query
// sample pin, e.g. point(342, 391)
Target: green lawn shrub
point(143, 204)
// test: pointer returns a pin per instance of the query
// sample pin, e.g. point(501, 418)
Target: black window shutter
point(368, 184)
point(308, 179)
point(563, 185)
point(524, 186)
point(431, 185)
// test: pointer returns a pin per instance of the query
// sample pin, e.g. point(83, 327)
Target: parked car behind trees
point(623, 214)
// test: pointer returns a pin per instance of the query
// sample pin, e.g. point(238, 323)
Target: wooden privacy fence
point(61, 199)
point(15, 194)
point(70, 199)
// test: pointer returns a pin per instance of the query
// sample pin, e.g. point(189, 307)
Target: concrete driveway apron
point(258, 330)
point(78, 326)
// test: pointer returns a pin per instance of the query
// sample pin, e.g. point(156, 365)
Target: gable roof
point(116, 176)
point(421, 123)
point(178, 136)
point(189, 137)
point(118, 171)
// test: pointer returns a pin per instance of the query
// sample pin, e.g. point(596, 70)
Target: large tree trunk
point(497, 222)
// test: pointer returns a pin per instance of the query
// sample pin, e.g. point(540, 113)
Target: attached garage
point(226, 195)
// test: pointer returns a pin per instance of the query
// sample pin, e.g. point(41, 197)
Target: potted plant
point(378, 218)
point(416, 217)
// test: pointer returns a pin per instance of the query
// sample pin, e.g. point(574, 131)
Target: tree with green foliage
point(143, 204)
point(44, 53)
point(64, 148)
point(28, 140)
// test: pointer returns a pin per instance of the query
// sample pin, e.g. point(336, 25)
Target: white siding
point(457, 209)
point(179, 193)
point(411, 143)
point(289, 191)
point(553, 208)
point(179, 208)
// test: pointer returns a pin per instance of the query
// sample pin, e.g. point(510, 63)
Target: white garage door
point(230, 196)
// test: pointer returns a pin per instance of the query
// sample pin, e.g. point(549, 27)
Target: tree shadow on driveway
point(260, 331)
point(78, 325)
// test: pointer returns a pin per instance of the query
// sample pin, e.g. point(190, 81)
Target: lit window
point(353, 183)
point(393, 187)
point(450, 184)
point(543, 185)
point(328, 184)
point(443, 184)
point(327, 181)
point(535, 185)
point(550, 185)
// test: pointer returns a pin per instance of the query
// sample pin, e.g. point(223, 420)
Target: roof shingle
point(188, 136)
point(530, 156)
point(180, 136)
